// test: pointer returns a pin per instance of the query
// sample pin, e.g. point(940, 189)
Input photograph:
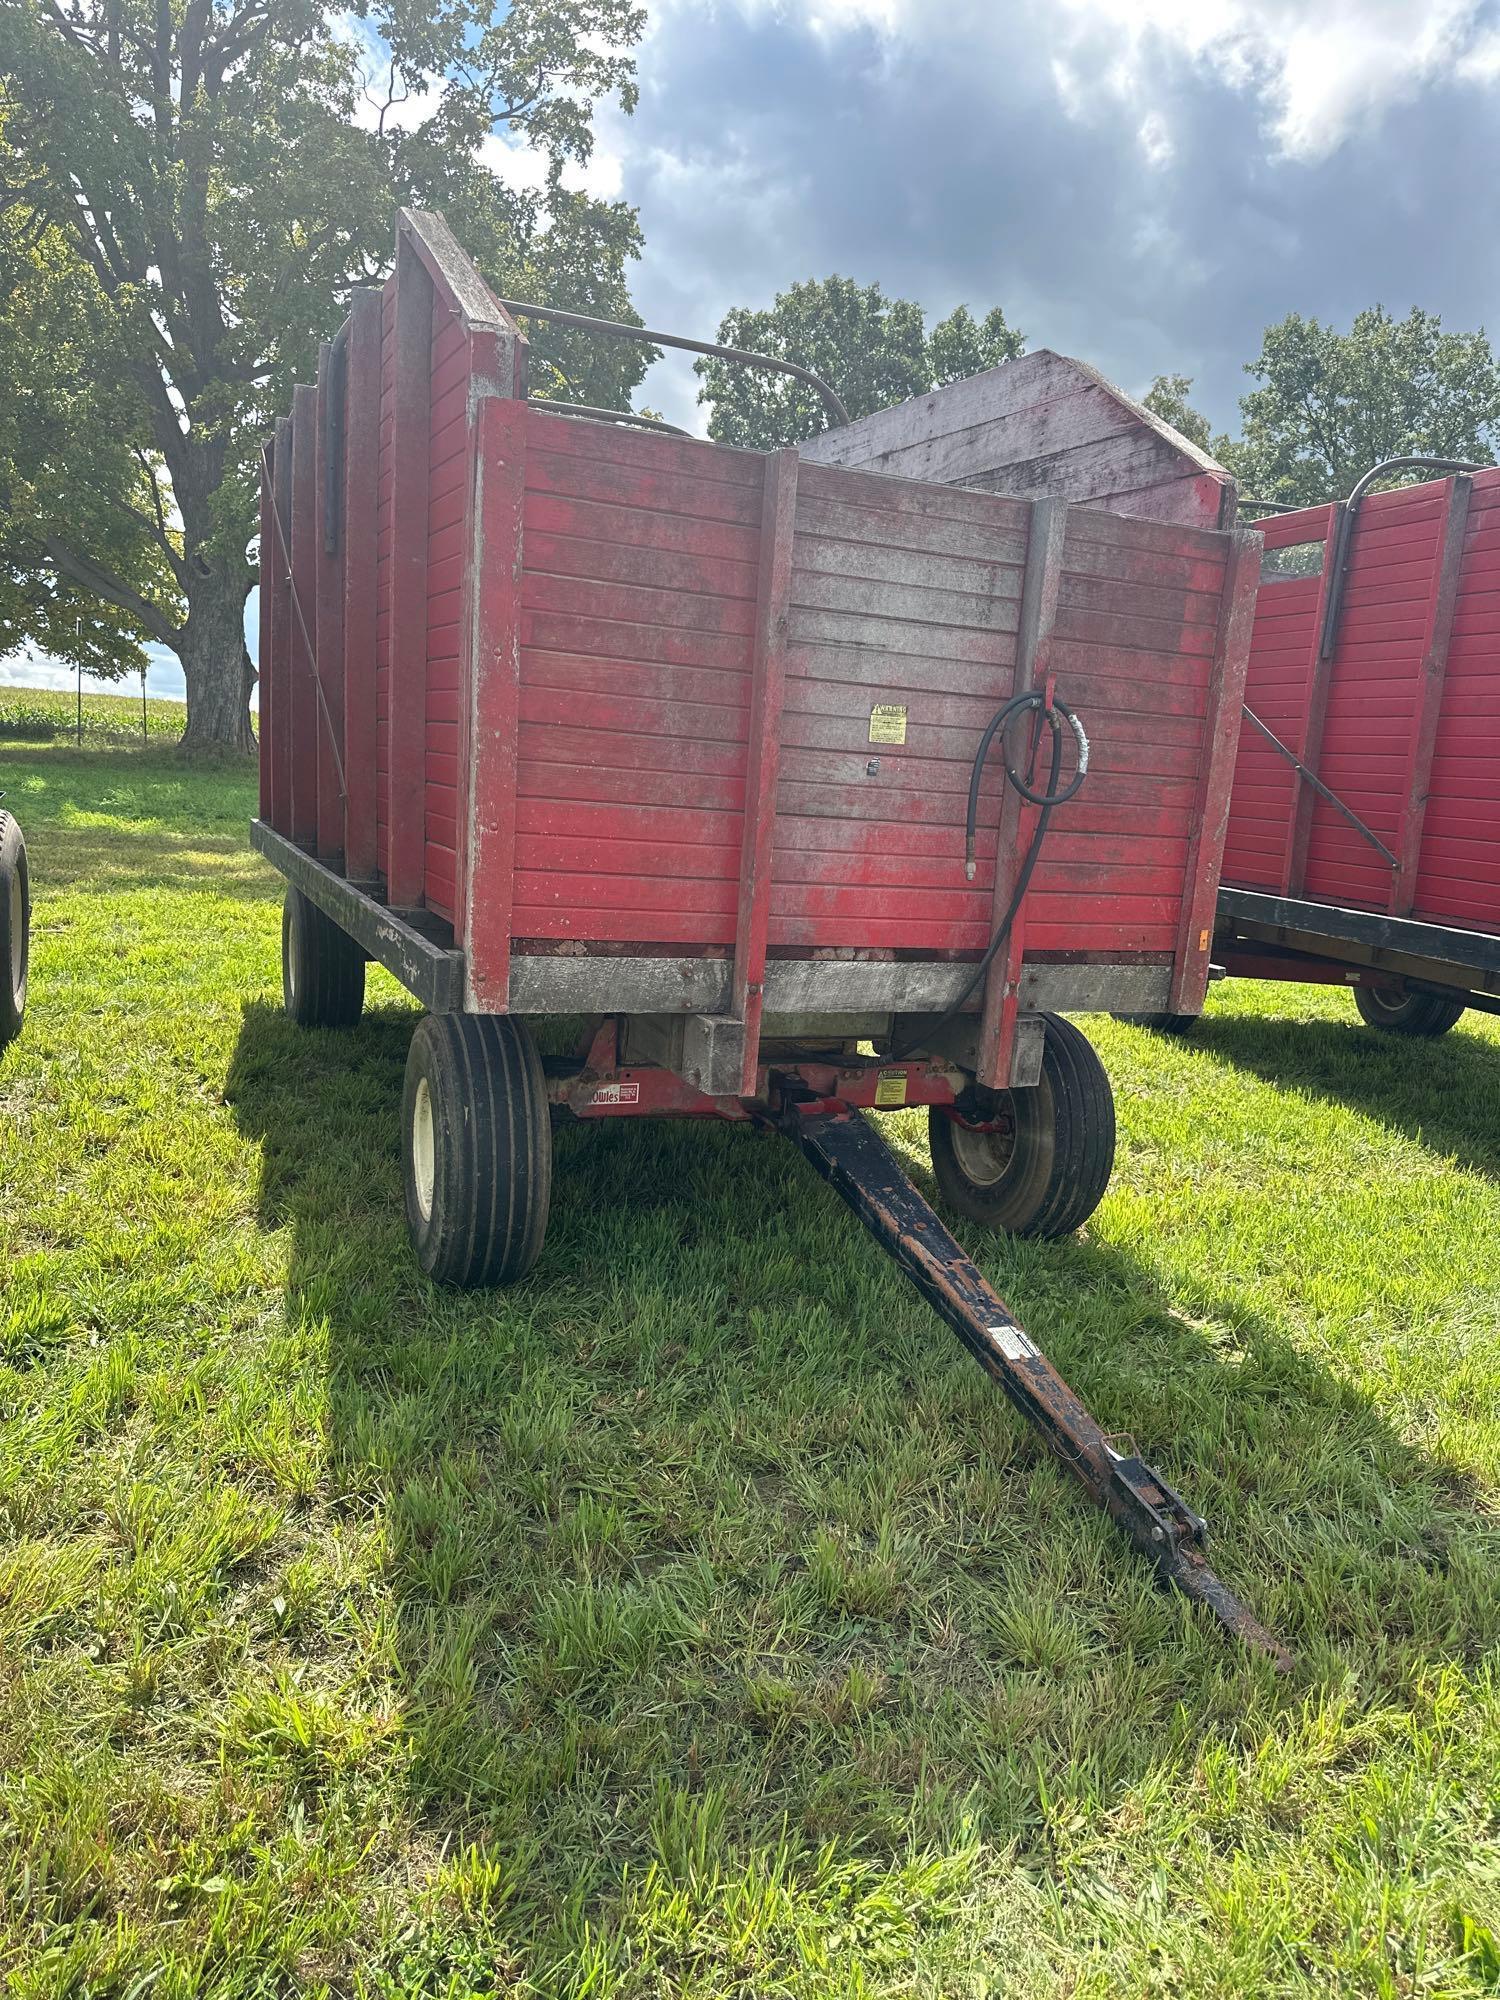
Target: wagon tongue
point(856, 1162)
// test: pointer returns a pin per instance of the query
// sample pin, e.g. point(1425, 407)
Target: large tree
point(190, 190)
point(1330, 405)
point(874, 350)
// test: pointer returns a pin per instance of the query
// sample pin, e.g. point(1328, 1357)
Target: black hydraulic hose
point(1048, 800)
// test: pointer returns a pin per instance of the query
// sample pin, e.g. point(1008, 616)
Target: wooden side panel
point(276, 740)
point(385, 548)
point(329, 587)
point(1044, 426)
point(637, 620)
point(1286, 686)
point(1374, 692)
point(406, 860)
point(302, 709)
point(448, 469)
point(361, 571)
point(1458, 868)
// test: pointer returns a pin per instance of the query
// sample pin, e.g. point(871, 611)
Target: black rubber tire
point(15, 928)
point(477, 1201)
point(1051, 1170)
point(322, 968)
point(1162, 1024)
point(1424, 1014)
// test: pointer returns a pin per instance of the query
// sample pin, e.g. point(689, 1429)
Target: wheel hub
point(984, 1148)
point(423, 1149)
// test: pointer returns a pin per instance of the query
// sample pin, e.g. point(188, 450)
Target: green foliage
point(1330, 405)
point(873, 350)
point(1167, 398)
point(192, 193)
point(696, 1619)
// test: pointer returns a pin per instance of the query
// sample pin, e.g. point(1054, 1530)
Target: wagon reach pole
point(859, 1166)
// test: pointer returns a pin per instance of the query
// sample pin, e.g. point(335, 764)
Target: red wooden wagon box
point(810, 790)
point(1363, 842)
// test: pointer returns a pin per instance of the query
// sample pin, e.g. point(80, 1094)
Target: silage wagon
point(1363, 845)
point(806, 791)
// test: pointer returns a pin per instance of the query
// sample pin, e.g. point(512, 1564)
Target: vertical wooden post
point(329, 592)
point(1221, 726)
point(360, 529)
point(406, 810)
point(763, 754)
point(1040, 587)
point(1319, 681)
point(279, 576)
point(267, 635)
point(306, 529)
point(1429, 694)
point(493, 668)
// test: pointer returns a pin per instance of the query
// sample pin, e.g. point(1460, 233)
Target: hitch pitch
point(856, 1162)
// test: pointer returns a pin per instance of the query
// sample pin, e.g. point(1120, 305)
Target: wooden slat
point(279, 743)
point(1429, 696)
point(406, 864)
point(1225, 712)
point(329, 589)
point(360, 528)
point(1319, 672)
point(493, 673)
point(266, 670)
point(1041, 589)
point(767, 690)
point(303, 706)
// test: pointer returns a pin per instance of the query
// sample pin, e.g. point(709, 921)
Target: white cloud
point(1320, 68)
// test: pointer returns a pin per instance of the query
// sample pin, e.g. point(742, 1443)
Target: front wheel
point(1397, 1013)
point(476, 1147)
point(1038, 1161)
point(15, 928)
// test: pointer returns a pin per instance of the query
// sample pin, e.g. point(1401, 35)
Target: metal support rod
point(1322, 790)
point(619, 330)
point(859, 1166)
point(607, 416)
point(1344, 539)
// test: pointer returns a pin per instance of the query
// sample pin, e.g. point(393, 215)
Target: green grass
point(694, 1619)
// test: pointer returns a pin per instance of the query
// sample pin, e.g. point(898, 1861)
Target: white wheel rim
point(423, 1150)
point(1390, 1003)
point(292, 980)
point(985, 1157)
point(17, 936)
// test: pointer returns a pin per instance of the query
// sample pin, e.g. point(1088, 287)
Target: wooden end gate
point(1363, 846)
point(566, 718)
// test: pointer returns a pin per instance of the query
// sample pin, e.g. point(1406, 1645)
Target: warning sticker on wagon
point(890, 1088)
point(888, 722)
point(617, 1093)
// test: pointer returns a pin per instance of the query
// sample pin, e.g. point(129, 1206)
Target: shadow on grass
point(706, 1548)
point(1445, 1092)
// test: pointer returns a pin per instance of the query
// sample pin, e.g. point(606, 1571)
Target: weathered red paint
point(1402, 721)
point(608, 691)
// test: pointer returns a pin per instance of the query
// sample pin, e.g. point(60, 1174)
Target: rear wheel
point(15, 928)
point(476, 1148)
point(322, 968)
point(1032, 1162)
point(1397, 1013)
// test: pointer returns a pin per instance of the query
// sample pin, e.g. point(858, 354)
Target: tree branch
point(104, 583)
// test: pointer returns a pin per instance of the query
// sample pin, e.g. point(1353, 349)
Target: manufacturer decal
point(617, 1093)
point(890, 1088)
point(888, 722)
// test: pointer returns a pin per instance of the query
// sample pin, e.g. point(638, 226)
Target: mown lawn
point(695, 1619)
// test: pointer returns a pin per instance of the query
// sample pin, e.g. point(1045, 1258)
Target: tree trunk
point(215, 664)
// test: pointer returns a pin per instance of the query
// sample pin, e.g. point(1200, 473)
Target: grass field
point(695, 1620)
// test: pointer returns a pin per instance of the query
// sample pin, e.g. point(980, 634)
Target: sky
point(1144, 184)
